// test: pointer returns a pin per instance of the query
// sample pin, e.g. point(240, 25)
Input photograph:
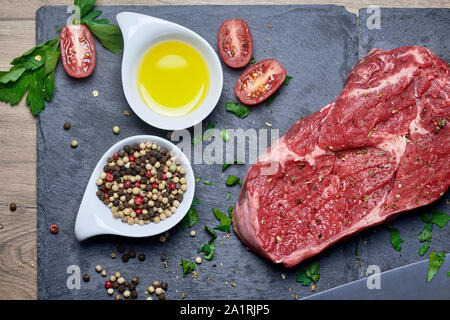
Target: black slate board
point(317, 45)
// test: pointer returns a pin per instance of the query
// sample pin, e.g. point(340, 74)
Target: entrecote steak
point(381, 148)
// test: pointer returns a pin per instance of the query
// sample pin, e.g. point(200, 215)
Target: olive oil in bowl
point(173, 78)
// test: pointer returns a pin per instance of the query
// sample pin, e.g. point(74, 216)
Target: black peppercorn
point(121, 288)
point(162, 296)
point(115, 285)
point(66, 126)
point(121, 248)
point(86, 277)
point(131, 286)
point(141, 257)
point(164, 285)
point(132, 254)
point(134, 294)
point(12, 206)
point(163, 257)
point(125, 257)
point(135, 280)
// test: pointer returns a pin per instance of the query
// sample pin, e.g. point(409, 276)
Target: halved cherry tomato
point(78, 52)
point(235, 43)
point(260, 81)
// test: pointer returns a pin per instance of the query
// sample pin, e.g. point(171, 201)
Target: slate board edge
point(42, 290)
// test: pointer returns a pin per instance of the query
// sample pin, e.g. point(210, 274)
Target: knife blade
point(406, 282)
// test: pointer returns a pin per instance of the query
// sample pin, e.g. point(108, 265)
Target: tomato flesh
point(260, 81)
point(78, 52)
point(235, 43)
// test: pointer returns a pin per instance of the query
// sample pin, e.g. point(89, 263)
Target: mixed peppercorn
point(142, 183)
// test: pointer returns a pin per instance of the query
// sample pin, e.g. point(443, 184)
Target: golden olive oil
point(173, 78)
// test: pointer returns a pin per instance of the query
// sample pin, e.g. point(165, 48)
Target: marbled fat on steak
point(381, 148)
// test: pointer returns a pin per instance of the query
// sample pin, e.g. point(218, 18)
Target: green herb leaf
point(423, 249)
point(12, 75)
point(425, 234)
point(188, 267)
point(436, 260)
point(84, 5)
point(190, 218)
point(425, 217)
point(109, 35)
point(287, 80)
point(396, 241)
point(224, 134)
point(211, 232)
point(240, 110)
point(252, 60)
point(198, 179)
point(49, 86)
point(232, 180)
point(210, 125)
point(51, 59)
point(13, 92)
point(310, 274)
point(228, 195)
point(303, 278)
point(227, 164)
point(225, 221)
point(270, 100)
point(207, 182)
point(439, 218)
point(35, 97)
point(195, 202)
point(208, 249)
point(230, 211)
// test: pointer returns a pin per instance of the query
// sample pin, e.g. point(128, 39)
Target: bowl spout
point(129, 23)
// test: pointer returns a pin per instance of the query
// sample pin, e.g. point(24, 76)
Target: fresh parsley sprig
point(33, 72)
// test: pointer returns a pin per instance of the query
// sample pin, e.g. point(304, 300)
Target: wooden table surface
point(18, 247)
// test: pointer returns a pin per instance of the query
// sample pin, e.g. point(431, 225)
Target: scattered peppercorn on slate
point(318, 46)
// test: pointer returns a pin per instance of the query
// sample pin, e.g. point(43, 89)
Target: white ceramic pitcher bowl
point(140, 32)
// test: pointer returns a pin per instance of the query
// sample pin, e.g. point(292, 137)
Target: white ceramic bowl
point(95, 218)
point(140, 32)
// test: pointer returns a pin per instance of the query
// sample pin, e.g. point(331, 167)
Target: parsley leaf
point(207, 182)
point(439, 218)
point(436, 260)
point(208, 249)
point(230, 211)
point(423, 249)
point(303, 278)
point(311, 274)
point(287, 80)
point(195, 202)
point(226, 164)
point(188, 267)
point(12, 75)
point(224, 134)
point(232, 180)
point(190, 218)
point(396, 241)
point(240, 110)
point(425, 234)
point(211, 232)
point(84, 5)
point(108, 34)
point(225, 221)
point(252, 60)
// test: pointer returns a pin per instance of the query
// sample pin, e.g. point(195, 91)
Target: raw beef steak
point(382, 147)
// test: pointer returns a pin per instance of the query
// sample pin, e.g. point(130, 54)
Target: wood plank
point(26, 9)
point(18, 256)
